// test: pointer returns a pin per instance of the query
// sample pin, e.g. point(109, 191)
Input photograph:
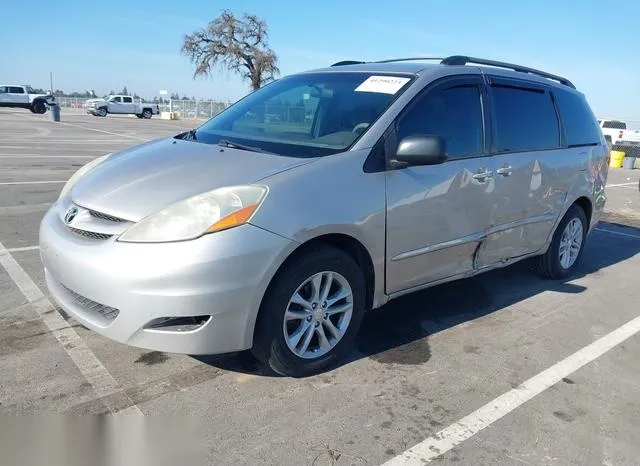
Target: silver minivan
point(278, 223)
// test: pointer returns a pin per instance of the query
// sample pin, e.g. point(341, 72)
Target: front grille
point(108, 218)
point(90, 234)
point(109, 313)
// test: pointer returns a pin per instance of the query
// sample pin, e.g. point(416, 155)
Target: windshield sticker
point(382, 84)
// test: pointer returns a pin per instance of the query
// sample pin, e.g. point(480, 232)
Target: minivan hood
point(144, 179)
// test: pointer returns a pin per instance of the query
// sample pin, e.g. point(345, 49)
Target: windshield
point(306, 115)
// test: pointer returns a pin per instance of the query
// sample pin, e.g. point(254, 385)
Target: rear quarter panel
point(583, 175)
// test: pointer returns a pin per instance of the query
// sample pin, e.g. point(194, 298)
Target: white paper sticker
point(382, 84)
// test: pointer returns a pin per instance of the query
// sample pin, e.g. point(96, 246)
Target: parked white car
point(122, 105)
point(617, 131)
point(19, 96)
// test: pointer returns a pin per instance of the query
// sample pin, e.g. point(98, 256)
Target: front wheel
point(311, 314)
point(101, 112)
point(565, 251)
point(38, 107)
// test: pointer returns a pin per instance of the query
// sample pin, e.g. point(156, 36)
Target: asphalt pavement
point(503, 368)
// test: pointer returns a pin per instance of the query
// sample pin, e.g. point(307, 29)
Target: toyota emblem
point(70, 215)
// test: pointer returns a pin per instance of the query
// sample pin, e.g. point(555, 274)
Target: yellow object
point(616, 159)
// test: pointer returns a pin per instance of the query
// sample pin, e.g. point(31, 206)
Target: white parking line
point(24, 209)
point(470, 425)
point(7, 183)
point(87, 363)
point(88, 128)
point(619, 184)
point(617, 233)
point(48, 140)
point(50, 148)
point(25, 248)
point(50, 156)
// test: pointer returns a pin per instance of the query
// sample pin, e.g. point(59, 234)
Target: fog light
point(177, 324)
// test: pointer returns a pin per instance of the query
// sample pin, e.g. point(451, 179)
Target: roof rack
point(461, 60)
point(348, 62)
point(393, 60)
point(464, 60)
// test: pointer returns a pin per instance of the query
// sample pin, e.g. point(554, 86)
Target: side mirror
point(420, 150)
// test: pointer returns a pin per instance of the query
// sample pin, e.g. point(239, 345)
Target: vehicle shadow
point(397, 333)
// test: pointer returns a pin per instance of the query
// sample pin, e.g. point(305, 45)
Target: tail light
point(620, 134)
point(607, 154)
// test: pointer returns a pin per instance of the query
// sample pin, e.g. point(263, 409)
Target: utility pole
point(51, 81)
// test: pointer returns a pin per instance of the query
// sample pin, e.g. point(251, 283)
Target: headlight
point(216, 210)
point(80, 173)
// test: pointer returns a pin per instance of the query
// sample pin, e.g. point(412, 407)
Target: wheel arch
point(349, 245)
point(38, 101)
point(586, 205)
point(581, 201)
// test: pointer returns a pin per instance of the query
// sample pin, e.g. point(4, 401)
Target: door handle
point(505, 171)
point(482, 176)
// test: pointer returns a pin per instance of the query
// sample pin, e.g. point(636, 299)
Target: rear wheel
point(565, 251)
point(39, 107)
point(146, 113)
point(311, 314)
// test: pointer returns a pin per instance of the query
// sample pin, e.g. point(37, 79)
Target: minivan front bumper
point(118, 289)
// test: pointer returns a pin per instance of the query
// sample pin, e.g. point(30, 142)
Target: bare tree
point(239, 45)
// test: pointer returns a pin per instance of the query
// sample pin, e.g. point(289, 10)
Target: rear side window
point(127, 100)
point(525, 119)
point(16, 90)
point(579, 123)
point(615, 125)
point(453, 113)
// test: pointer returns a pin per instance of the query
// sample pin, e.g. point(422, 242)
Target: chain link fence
point(71, 103)
point(194, 109)
point(183, 109)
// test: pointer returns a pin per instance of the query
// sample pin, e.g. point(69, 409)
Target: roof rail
point(392, 60)
point(348, 62)
point(464, 60)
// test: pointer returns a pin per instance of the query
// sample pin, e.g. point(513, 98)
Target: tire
point(550, 264)
point(270, 345)
point(101, 112)
point(39, 107)
point(146, 113)
point(139, 115)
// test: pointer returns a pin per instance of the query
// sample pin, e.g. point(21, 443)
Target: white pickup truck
point(121, 105)
point(617, 131)
point(19, 96)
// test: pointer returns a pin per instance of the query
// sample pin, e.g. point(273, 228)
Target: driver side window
point(116, 99)
point(454, 113)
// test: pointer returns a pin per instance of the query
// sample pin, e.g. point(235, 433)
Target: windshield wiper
point(235, 145)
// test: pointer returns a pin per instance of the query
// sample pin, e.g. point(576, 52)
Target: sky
point(107, 45)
